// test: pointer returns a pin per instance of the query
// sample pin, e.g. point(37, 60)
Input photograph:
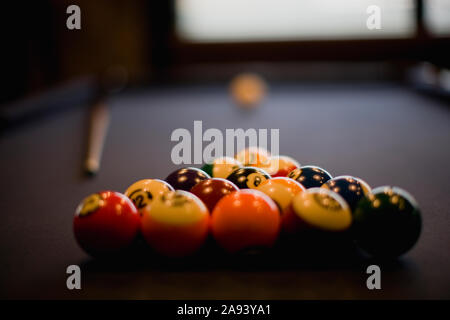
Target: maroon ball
point(186, 178)
point(212, 190)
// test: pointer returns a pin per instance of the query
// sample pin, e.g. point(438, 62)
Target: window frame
point(171, 50)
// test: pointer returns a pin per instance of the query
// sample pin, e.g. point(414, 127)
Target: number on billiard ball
point(143, 192)
point(320, 209)
point(248, 177)
point(105, 223)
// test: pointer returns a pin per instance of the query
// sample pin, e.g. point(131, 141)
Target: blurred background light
point(437, 17)
point(266, 20)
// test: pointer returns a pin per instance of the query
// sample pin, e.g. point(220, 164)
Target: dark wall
point(41, 51)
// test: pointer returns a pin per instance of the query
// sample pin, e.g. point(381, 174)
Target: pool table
point(385, 133)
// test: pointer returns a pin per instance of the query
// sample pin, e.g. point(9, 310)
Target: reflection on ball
point(210, 191)
point(310, 176)
point(106, 222)
point(350, 188)
point(245, 220)
point(282, 190)
point(387, 222)
point(186, 178)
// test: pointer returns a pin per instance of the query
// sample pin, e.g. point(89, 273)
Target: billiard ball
point(248, 177)
point(387, 222)
point(350, 188)
point(245, 220)
point(320, 209)
point(143, 192)
point(254, 157)
point(221, 167)
point(106, 222)
point(210, 191)
point(281, 190)
point(175, 224)
point(310, 176)
point(248, 90)
point(281, 166)
point(186, 178)
point(319, 226)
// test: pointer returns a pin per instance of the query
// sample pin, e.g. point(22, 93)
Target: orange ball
point(282, 190)
point(245, 219)
point(248, 90)
point(175, 224)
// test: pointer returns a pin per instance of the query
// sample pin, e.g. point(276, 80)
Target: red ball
point(282, 165)
point(105, 222)
point(212, 190)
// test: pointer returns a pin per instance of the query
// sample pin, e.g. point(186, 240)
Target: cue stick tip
point(92, 166)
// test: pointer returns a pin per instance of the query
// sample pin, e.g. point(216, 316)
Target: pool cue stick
point(98, 129)
point(111, 81)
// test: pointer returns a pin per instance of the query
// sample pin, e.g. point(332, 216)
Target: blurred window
point(266, 20)
point(437, 17)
